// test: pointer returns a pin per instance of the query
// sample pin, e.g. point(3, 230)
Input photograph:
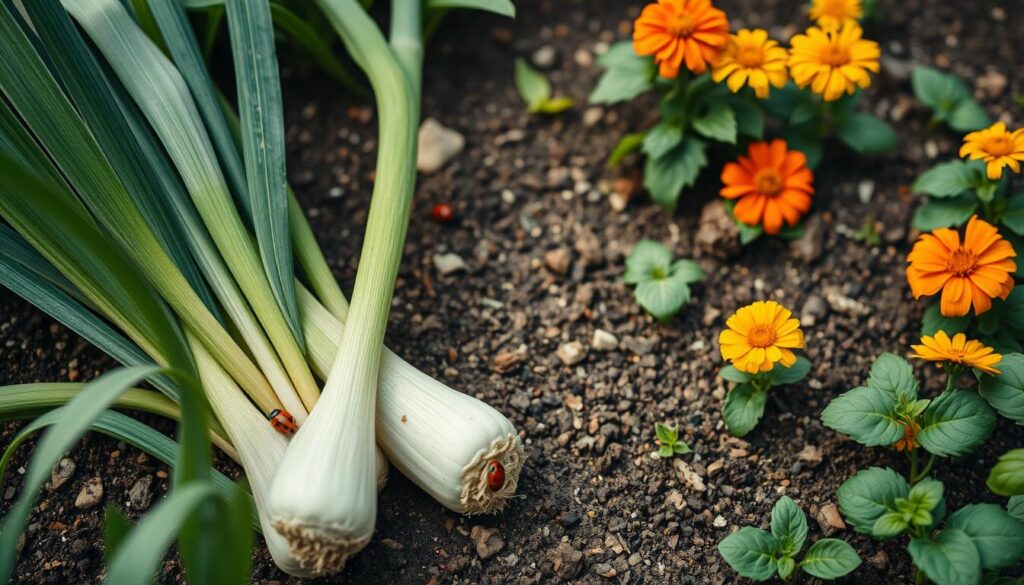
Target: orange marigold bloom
point(959, 350)
point(760, 335)
point(753, 59)
point(833, 62)
point(772, 184)
point(831, 14)
point(909, 441)
point(997, 146)
point(678, 31)
point(972, 273)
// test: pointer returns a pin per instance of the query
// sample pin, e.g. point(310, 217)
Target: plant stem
point(914, 478)
point(912, 455)
point(918, 577)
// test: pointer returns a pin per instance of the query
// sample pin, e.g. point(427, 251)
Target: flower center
point(962, 262)
point(768, 182)
point(761, 336)
point(750, 56)
point(835, 55)
point(999, 145)
point(681, 25)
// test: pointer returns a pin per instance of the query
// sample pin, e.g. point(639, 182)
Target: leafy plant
point(1007, 477)
point(949, 99)
point(761, 555)
point(745, 402)
point(669, 444)
point(535, 89)
point(662, 285)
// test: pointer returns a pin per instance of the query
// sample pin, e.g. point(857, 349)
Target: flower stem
point(914, 478)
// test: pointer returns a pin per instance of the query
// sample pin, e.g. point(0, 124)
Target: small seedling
point(868, 232)
point(662, 286)
point(669, 444)
point(949, 98)
point(535, 89)
point(760, 555)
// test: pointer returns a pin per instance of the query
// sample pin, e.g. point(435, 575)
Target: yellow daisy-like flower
point(959, 350)
point(832, 14)
point(997, 146)
point(753, 59)
point(760, 335)
point(833, 62)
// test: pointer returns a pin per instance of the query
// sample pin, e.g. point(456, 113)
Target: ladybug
point(495, 475)
point(282, 421)
point(442, 213)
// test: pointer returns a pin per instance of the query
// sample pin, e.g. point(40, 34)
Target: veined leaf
point(1005, 392)
point(789, 526)
point(750, 552)
point(259, 103)
point(866, 415)
point(743, 408)
point(830, 558)
point(955, 423)
point(895, 376)
point(997, 535)
point(868, 495)
point(946, 180)
point(1007, 477)
point(949, 559)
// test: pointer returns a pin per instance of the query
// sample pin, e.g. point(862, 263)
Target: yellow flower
point(832, 14)
point(753, 59)
point(833, 62)
point(958, 350)
point(760, 335)
point(997, 146)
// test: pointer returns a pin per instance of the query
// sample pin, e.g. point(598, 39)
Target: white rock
point(449, 263)
point(571, 353)
point(719, 522)
point(604, 341)
point(436, 146)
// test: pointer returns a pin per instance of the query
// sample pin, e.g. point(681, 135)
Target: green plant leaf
point(934, 321)
point(668, 435)
point(998, 537)
point(647, 261)
point(663, 297)
point(1015, 507)
point(868, 495)
point(1005, 392)
point(945, 213)
point(665, 451)
point(749, 119)
point(718, 123)
point(552, 106)
point(807, 139)
point(688, 270)
point(306, 38)
point(955, 423)
point(785, 567)
point(627, 75)
point(830, 558)
point(945, 180)
point(115, 528)
point(798, 371)
point(749, 233)
point(237, 536)
point(866, 134)
point(889, 525)
point(968, 116)
point(789, 526)
point(261, 112)
point(531, 84)
point(743, 408)
point(750, 552)
point(137, 558)
point(732, 374)
point(665, 177)
point(866, 415)
point(941, 91)
point(1013, 217)
point(73, 421)
point(949, 559)
point(924, 500)
point(661, 139)
point(500, 7)
point(1007, 476)
point(625, 146)
point(681, 448)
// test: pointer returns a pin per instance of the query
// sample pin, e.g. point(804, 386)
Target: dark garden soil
point(544, 250)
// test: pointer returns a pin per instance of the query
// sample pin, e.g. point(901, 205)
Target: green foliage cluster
point(662, 284)
point(745, 402)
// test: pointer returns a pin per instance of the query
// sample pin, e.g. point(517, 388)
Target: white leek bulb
point(260, 449)
point(443, 440)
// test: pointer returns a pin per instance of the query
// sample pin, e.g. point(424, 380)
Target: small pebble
point(449, 263)
point(91, 494)
point(571, 353)
point(604, 341)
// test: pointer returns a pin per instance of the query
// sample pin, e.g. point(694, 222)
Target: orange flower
point(773, 185)
point(997, 146)
point(760, 335)
point(959, 350)
point(974, 272)
point(909, 441)
point(678, 31)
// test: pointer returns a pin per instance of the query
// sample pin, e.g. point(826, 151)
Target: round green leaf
point(866, 415)
point(743, 408)
point(830, 558)
point(955, 423)
point(950, 559)
point(1007, 477)
point(750, 552)
point(998, 537)
point(868, 495)
point(1005, 392)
